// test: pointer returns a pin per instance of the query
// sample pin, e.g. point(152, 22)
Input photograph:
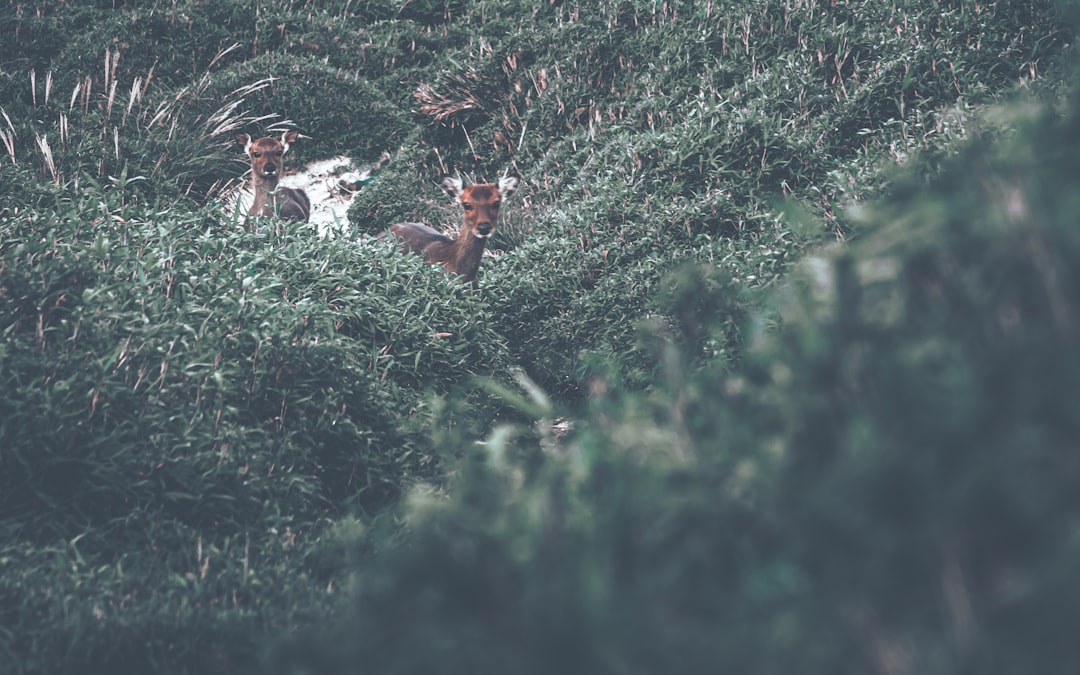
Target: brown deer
point(480, 204)
point(269, 199)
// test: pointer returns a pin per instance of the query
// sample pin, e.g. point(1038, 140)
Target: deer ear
point(507, 186)
point(289, 137)
point(453, 186)
point(244, 141)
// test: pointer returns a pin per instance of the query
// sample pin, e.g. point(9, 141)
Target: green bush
point(886, 481)
point(353, 117)
point(397, 194)
point(205, 428)
point(173, 379)
point(183, 601)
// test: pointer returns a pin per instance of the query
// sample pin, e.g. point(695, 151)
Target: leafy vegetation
point(771, 370)
point(887, 484)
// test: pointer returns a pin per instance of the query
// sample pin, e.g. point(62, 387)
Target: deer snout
point(269, 169)
point(483, 229)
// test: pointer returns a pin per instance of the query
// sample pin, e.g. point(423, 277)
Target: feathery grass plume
point(136, 94)
point(443, 107)
point(110, 100)
point(74, 95)
point(7, 136)
point(47, 157)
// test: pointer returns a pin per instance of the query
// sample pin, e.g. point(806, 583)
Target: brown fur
point(269, 199)
point(480, 213)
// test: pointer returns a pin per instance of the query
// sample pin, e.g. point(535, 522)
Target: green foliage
point(574, 291)
point(886, 483)
point(205, 428)
point(354, 117)
point(675, 130)
point(173, 370)
point(397, 195)
point(179, 602)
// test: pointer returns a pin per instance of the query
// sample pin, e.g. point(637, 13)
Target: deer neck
point(466, 253)
point(266, 191)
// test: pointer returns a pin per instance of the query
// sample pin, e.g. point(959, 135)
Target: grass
point(212, 437)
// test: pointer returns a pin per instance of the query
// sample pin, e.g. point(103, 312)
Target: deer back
point(438, 249)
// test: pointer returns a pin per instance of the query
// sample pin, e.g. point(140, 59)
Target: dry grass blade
point(8, 139)
point(253, 87)
point(136, 94)
point(7, 136)
point(222, 53)
point(443, 107)
point(112, 99)
point(164, 110)
point(74, 95)
point(8, 120)
point(88, 86)
point(226, 120)
point(146, 83)
point(46, 153)
point(111, 60)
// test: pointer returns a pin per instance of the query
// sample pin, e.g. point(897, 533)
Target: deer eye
point(256, 153)
point(467, 206)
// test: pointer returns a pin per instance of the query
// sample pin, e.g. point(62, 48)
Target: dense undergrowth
point(886, 484)
point(736, 392)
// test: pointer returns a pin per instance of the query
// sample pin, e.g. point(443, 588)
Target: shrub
point(205, 429)
point(397, 194)
point(353, 117)
point(886, 481)
point(176, 381)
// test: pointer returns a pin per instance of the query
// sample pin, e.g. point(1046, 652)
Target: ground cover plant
point(886, 484)
point(671, 428)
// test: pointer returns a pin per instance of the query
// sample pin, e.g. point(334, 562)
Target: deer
point(270, 199)
point(480, 204)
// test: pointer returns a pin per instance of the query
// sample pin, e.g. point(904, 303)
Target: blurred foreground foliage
point(887, 483)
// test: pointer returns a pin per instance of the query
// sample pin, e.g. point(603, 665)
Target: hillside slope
point(635, 436)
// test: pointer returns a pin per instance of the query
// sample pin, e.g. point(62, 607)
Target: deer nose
point(269, 169)
point(484, 229)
